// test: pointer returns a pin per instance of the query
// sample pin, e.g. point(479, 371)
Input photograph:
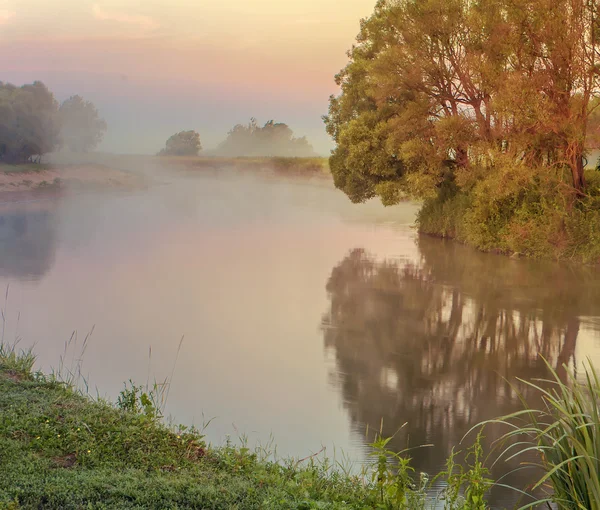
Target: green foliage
point(295, 166)
point(475, 479)
point(81, 128)
point(393, 479)
point(362, 167)
point(184, 143)
point(23, 168)
point(17, 362)
point(517, 213)
point(134, 399)
point(582, 228)
point(32, 124)
point(59, 449)
point(28, 122)
point(495, 97)
point(465, 487)
point(444, 215)
point(566, 434)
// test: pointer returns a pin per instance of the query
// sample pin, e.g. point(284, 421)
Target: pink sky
point(156, 66)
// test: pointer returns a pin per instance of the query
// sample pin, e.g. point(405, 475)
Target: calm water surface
point(304, 317)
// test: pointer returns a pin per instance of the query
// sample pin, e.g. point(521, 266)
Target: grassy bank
point(98, 170)
point(60, 449)
point(22, 169)
point(312, 167)
point(519, 215)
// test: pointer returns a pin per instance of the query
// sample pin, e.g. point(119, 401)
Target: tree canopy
point(493, 101)
point(81, 128)
point(463, 88)
point(28, 121)
point(184, 143)
point(272, 139)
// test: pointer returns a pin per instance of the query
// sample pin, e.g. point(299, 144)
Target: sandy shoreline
point(86, 176)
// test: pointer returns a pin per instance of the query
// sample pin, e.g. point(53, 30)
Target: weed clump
point(565, 432)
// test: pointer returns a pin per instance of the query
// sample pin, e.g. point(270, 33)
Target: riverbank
point(528, 217)
point(28, 177)
point(61, 450)
point(108, 171)
point(308, 167)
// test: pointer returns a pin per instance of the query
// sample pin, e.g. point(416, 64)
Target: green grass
point(15, 363)
point(533, 219)
point(280, 165)
point(59, 449)
point(565, 431)
point(23, 169)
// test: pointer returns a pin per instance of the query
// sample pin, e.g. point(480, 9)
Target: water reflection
point(435, 343)
point(239, 269)
point(28, 238)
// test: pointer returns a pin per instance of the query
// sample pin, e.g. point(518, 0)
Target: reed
point(565, 431)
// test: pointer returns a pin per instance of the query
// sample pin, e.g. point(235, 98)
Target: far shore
point(32, 177)
point(108, 171)
point(295, 166)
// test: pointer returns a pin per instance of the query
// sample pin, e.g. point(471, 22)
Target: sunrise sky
point(154, 67)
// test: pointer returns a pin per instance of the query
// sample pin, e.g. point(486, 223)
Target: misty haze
point(299, 255)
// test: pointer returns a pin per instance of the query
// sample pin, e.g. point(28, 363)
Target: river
point(304, 317)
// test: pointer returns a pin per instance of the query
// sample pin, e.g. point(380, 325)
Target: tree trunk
point(575, 154)
point(462, 157)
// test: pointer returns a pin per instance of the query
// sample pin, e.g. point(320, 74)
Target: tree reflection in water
point(27, 238)
point(437, 343)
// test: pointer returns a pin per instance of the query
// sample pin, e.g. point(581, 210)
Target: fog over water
point(304, 317)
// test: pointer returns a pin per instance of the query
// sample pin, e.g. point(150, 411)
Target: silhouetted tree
point(272, 139)
point(81, 128)
point(28, 121)
point(184, 143)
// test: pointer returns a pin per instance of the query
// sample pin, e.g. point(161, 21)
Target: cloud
point(145, 22)
point(6, 16)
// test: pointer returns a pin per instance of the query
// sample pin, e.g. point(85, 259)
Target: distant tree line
point(33, 123)
point(272, 139)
